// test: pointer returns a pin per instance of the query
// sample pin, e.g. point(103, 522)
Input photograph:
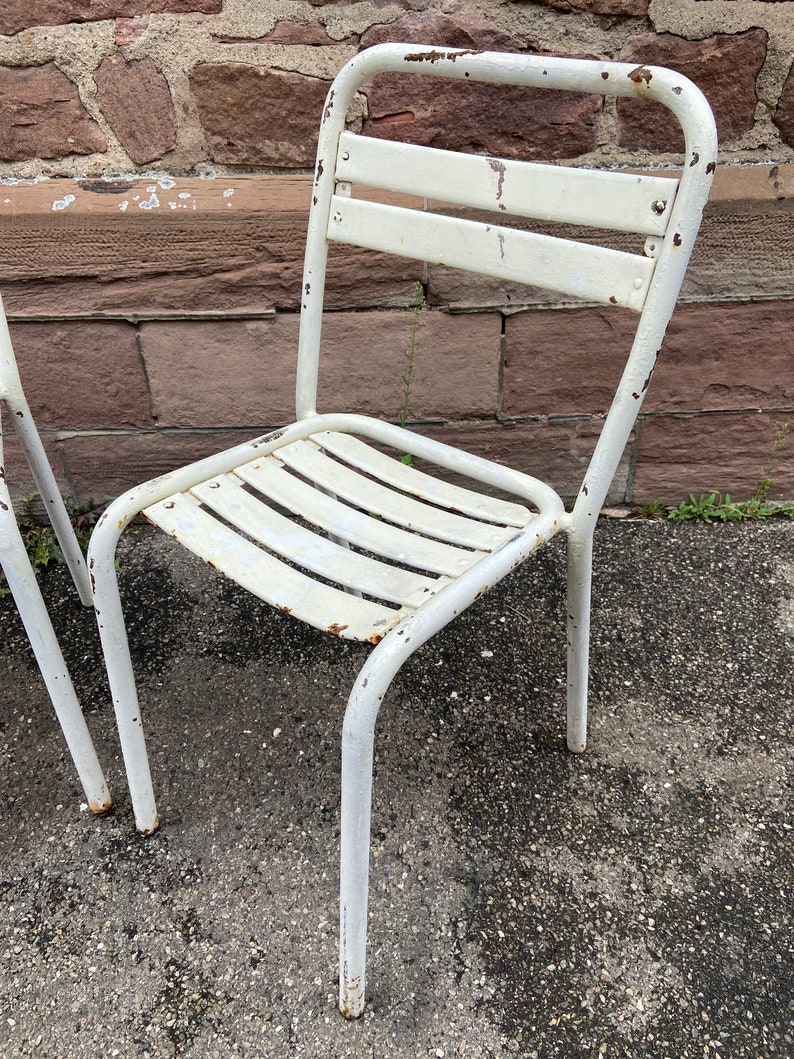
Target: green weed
point(417, 304)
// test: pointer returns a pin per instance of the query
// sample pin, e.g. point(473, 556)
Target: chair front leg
point(115, 646)
point(358, 738)
point(580, 576)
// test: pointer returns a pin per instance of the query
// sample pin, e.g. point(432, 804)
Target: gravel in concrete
point(635, 901)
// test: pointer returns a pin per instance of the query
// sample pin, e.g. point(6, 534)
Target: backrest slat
point(595, 273)
point(623, 202)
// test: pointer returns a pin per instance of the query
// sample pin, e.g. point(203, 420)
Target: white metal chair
point(289, 516)
point(22, 580)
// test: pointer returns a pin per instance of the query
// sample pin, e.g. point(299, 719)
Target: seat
point(323, 519)
point(24, 587)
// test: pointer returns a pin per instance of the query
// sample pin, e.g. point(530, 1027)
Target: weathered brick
point(784, 114)
point(715, 356)
point(457, 116)
point(252, 115)
point(136, 100)
point(241, 373)
point(105, 465)
point(555, 451)
point(19, 14)
point(222, 373)
point(723, 66)
point(679, 455)
point(82, 374)
point(16, 469)
point(43, 116)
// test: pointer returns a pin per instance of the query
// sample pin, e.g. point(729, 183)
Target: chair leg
point(580, 571)
point(53, 501)
point(33, 611)
point(112, 632)
point(358, 737)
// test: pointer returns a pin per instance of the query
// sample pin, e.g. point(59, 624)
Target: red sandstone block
point(729, 453)
point(723, 66)
point(621, 8)
point(481, 118)
point(715, 356)
point(43, 116)
point(104, 466)
point(252, 115)
point(239, 373)
point(136, 100)
point(19, 14)
point(82, 374)
point(784, 115)
point(556, 451)
point(17, 472)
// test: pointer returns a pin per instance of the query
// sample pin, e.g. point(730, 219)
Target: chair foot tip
point(101, 808)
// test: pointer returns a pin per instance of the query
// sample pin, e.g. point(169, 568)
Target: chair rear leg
point(27, 596)
point(580, 575)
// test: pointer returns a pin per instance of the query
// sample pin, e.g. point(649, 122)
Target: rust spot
point(20, 415)
point(636, 396)
point(499, 168)
point(91, 562)
point(435, 56)
point(3, 505)
point(169, 505)
point(678, 90)
point(676, 239)
point(659, 206)
point(319, 169)
point(605, 75)
point(336, 629)
point(711, 167)
point(613, 299)
point(285, 610)
point(695, 159)
point(640, 74)
point(308, 288)
point(314, 200)
point(375, 638)
point(328, 105)
point(647, 382)
point(585, 490)
point(93, 584)
point(3, 473)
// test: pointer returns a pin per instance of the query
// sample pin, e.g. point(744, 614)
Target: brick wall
point(154, 313)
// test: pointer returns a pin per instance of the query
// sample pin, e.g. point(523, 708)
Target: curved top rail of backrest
point(647, 83)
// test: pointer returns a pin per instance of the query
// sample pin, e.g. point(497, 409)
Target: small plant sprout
point(416, 305)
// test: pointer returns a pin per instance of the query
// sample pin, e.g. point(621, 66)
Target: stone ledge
point(152, 247)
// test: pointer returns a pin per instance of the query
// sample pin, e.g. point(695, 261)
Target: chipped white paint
point(185, 195)
point(123, 205)
point(64, 203)
point(152, 203)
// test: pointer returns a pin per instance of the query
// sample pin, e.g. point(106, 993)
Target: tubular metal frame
point(167, 500)
point(24, 587)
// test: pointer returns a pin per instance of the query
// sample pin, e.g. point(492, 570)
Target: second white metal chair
point(24, 586)
point(289, 516)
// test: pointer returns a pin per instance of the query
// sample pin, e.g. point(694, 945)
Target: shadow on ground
point(635, 901)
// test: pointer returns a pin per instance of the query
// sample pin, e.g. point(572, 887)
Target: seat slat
point(322, 606)
point(595, 273)
point(269, 477)
point(310, 461)
point(402, 476)
point(227, 498)
point(622, 202)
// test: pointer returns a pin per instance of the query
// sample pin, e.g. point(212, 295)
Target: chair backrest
point(663, 211)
